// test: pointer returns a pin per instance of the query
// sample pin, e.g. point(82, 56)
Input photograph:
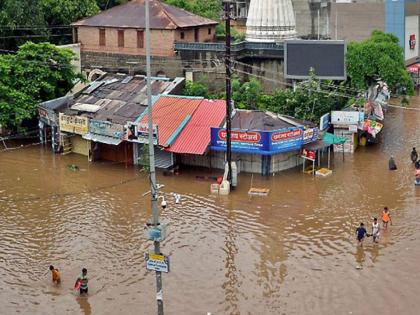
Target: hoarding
point(106, 128)
point(74, 124)
point(346, 117)
point(326, 57)
point(139, 133)
point(324, 122)
point(310, 135)
point(259, 142)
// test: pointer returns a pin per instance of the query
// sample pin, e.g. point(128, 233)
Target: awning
point(329, 138)
point(102, 139)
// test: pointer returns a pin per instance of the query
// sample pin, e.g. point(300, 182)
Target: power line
point(35, 36)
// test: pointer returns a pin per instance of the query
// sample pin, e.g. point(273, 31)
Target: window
point(120, 38)
point(182, 35)
point(209, 31)
point(196, 35)
point(102, 39)
point(140, 39)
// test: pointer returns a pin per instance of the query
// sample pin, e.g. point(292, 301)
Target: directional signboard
point(156, 262)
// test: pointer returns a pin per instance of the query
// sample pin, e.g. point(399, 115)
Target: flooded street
point(293, 252)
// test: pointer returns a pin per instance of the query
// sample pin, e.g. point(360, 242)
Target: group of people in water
point(81, 282)
point(362, 233)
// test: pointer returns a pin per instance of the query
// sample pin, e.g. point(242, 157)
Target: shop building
point(92, 122)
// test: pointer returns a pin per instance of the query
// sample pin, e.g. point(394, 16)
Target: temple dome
point(270, 21)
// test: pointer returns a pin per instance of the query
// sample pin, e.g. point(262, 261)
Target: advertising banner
point(74, 124)
point(260, 142)
point(139, 133)
point(106, 128)
point(310, 135)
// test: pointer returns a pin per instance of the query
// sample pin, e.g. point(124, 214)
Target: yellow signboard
point(74, 124)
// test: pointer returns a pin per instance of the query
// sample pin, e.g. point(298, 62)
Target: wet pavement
point(293, 252)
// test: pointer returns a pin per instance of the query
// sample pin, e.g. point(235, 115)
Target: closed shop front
point(80, 145)
point(117, 153)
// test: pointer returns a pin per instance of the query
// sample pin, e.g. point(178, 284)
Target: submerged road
point(293, 252)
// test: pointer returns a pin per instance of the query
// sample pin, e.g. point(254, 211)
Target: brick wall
point(162, 41)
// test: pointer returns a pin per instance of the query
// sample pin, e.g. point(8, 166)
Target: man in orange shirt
point(55, 275)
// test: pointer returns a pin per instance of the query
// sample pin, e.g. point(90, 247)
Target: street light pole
point(228, 17)
point(154, 187)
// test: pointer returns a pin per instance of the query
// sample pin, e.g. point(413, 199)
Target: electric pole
point(154, 187)
point(228, 64)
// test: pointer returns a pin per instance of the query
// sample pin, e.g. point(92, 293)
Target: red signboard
point(311, 155)
point(412, 42)
point(243, 136)
point(279, 136)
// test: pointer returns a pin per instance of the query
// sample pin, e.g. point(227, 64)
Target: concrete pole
point(154, 189)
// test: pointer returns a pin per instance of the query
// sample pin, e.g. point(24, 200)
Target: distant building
point(114, 40)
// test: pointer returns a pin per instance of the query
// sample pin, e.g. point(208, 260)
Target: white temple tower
point(270, 21)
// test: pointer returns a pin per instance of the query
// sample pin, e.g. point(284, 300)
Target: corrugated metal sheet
point(119, 102)
point(132, 15)
point(169, 112)
point(195, 137)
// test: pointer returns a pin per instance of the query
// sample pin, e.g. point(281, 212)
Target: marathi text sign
point(310, 135)
point(262, 142)
point(74, 124)
point(156, 262)
point(106, 128)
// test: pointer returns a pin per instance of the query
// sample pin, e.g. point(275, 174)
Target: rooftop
point(132, 15)
point(118, 98)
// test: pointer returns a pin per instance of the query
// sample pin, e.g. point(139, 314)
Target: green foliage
point(144, 158)
point(246, 95)
point(107, 4)
point(40, 20)
point(197, 88)
point(380, 55)
point(38, 72)
point(208, 8)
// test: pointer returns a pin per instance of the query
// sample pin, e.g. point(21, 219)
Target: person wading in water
point(414, 156)
point(82, 282)
point(386, 217)
point(55, 275)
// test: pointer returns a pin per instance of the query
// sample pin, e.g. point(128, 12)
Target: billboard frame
point(308, 42)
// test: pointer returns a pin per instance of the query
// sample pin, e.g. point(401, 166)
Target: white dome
point(270, 21)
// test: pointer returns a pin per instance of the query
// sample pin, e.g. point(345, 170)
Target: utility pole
point(228, 17)
point(154, 187)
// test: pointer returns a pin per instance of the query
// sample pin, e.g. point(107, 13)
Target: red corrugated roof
point(195, 137)
point(169, 112)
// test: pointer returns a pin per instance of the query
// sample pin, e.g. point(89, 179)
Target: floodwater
point(292, 252)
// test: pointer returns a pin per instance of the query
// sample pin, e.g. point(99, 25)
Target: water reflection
point(84, 305)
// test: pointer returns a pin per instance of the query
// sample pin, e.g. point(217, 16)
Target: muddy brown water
point(292, 252)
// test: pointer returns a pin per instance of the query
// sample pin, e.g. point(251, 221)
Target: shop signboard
point(346, 117)
point(310, 135)
point(309, 154)
point(156, 262)
point(74, 124)
point(324, 122)
point(288, 139)
point(260, 142)
point(139, 133)
point(106, 128)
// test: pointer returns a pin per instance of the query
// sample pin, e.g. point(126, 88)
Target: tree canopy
point(38, 72)
point(207, 8)
point(378, 56)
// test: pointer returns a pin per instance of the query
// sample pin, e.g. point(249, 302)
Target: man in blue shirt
point(361, 233)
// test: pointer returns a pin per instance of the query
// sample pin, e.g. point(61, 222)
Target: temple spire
point(270, 21)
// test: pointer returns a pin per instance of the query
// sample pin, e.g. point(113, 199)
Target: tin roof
point(132, 15)
point(171, 114)
point(195, 137)
point(118, 98)
point(258, 120)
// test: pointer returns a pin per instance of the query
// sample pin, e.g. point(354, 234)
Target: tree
point(246, 95)
point(65, 12)
point(208, 8)
point(379, 56)
point(197, 88)
point(38, 72)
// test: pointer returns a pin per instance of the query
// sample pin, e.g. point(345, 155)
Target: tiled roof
point(169, 113)
point(195, 137)
point(132, 15)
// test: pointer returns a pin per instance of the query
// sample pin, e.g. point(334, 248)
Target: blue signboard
point(259, 142)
